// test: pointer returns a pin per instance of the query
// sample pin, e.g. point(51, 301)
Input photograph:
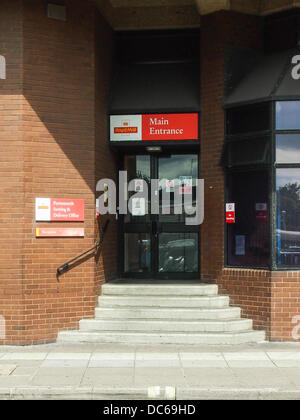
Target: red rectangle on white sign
point(230, 212)
point(170, 127)
point(59, 210)
point(67, 210)
point(59, 232)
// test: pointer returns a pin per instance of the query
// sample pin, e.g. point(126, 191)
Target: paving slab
point(6, 369)
point(210, 378)
point(262, 378)
point(51, 380)
point(71, 363)
point(157, 360)
point(150, 376)
point(68, 356)
point(24, 355)
point(202, 360)
point(108, 377)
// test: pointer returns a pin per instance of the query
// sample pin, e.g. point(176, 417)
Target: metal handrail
point(66, 266)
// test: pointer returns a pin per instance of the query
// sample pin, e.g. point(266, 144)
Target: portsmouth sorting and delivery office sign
point(154, 127)
point(59, 210)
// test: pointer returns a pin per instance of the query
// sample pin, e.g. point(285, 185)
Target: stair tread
point(172, 321)
point(175, 333)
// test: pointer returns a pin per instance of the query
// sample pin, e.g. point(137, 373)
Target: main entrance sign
point(154, 127)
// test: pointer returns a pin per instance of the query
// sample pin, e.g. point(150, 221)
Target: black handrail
point(66, 266)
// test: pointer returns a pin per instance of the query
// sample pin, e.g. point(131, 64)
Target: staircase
point(135, 313)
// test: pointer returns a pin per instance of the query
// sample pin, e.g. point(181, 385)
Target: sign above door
point(154, 127)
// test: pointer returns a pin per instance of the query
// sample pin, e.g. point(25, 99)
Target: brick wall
point(249, 289)
point(11, 172)
point(51, 151)
point(106, 160)
point(285, 306)
point(219, 31)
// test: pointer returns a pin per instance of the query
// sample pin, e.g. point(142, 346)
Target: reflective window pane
point(246, 152)
point(248, 119)
point(248, 241)
point(184, 169)
point(178, 252)
point(138, 167)
point(288, 217)
point(137, 253)
point(288, 115)
point(288, 148)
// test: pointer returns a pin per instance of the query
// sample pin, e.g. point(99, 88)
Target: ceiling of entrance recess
point(168, 14)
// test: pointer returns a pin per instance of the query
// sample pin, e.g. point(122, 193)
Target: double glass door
point(161, 245)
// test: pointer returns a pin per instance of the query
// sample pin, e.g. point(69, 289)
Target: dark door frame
point(154, 227)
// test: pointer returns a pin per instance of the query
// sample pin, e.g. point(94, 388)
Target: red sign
point(67, 210)
point(59, 232)
point(230, 213)
point(170, 127)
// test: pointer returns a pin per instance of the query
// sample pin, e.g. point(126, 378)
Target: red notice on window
point(230, 212)
point(261, 210)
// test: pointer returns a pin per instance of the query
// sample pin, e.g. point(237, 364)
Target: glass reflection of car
point(288, 246)
point(178, 256)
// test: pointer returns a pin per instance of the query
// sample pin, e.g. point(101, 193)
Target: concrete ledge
point(142, 393)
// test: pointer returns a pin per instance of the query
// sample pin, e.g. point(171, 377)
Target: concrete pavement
point(94, 371)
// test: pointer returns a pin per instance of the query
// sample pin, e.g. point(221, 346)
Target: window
point(248, 119)
point(250, 165)
point(248, 240)
point(288, 115)
point(288, 148)
point(247, 158)
point(287, 184)
point(247, 152)
point(288, 217)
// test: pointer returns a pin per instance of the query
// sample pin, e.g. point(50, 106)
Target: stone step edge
point(139, 333)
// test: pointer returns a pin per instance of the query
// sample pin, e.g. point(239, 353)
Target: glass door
point(162, 245)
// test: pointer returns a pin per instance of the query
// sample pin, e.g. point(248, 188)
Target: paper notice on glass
point(240, 243)
point(138, 206)
point(138, 185)
point(187, 185)
point(170, 185)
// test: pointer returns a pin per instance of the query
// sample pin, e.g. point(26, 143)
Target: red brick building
point(66, 68)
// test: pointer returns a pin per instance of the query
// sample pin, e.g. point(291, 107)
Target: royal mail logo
point(125, 130)
point(2, 67)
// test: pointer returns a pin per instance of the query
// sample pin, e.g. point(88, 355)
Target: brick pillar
point(249, 289)
point(218, 32)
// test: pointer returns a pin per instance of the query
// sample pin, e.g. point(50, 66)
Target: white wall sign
point(2, 67)
point(43, 209)
point(125, 127)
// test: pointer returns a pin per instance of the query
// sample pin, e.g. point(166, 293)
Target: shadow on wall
point(66, 81)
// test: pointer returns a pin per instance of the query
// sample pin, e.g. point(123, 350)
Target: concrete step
point(164, 302)
point(165, 338)
point(163, 326)
point(167, 313)
point(113, 289)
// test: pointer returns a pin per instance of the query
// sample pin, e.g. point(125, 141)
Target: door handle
point(154, 228)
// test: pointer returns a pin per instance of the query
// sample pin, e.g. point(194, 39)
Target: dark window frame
point(272, 168)
point(275, 167)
